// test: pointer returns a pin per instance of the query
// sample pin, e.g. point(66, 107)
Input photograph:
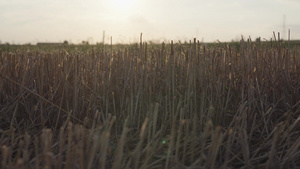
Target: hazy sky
point(31, 21)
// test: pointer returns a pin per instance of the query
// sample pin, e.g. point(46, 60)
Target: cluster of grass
point(168, 106)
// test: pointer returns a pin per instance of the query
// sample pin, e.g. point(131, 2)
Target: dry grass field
point(151, 106)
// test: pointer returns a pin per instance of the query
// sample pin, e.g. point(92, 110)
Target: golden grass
point(177, 106)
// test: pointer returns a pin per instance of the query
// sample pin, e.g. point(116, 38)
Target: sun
point(123, 5)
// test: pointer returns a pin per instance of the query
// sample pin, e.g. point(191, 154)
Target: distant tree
point(85, 42)
point(66, 42)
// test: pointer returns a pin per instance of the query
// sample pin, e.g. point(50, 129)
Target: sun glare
point(123, 5)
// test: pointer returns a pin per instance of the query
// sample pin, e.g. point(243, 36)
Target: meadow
point(147, 106)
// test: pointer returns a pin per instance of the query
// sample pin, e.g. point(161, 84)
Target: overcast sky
point(31, 21)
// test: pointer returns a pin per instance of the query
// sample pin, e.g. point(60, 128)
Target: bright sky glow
point(32, 21)
point(123, 5)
